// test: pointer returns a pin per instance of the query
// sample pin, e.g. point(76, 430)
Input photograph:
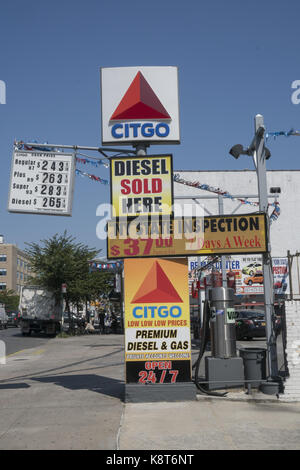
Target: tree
point(60, 260)
point(9, 299)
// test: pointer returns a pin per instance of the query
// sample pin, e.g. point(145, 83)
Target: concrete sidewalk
point(211, 424)
point(69, 394)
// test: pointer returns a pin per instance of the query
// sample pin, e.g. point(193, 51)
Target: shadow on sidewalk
point(97, 383)
point(14, 386)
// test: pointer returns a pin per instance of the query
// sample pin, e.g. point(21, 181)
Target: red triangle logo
point(140, 102)
point(156, 288)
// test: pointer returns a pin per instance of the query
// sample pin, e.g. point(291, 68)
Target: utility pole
point(259, 157)
point(223, 258)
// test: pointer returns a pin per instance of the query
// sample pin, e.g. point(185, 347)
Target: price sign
point(157, 321)
point(41, 183)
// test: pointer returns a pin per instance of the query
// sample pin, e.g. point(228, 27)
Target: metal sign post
point(260, 154)
point(259, 157)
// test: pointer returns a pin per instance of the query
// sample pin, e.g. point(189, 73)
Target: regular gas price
point(42, 183)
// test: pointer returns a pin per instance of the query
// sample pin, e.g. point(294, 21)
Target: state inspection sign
point(231, 234)
point(41, 183)
point(141, 185)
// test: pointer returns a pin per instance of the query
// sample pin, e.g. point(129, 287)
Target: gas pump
point(223, 369)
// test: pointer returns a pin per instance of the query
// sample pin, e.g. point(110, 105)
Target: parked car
point(257, 278)
point(77, 323)
point(13, 319)
point(251, 324)
point(252, 268)
point(280, 285)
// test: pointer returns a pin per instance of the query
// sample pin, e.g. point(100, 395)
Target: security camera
point(236, 150)
point(267, 153)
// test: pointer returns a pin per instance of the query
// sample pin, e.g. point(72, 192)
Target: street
point(68, 393)
point(15, 341)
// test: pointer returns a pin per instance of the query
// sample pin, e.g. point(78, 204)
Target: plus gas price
point(42, 183)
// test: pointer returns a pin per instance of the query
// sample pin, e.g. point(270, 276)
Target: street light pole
point(259, 158)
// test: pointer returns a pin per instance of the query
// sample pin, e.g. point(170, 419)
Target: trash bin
point(254, 360)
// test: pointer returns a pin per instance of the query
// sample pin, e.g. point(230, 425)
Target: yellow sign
point(157, 320)
point(141, 185)
point(230, 234)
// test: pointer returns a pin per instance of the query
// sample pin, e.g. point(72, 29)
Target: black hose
point(204, 340)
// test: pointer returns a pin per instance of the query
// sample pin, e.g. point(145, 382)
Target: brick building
point(14, 267)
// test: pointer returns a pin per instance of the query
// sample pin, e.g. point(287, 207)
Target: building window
point(2, 285)
point(3, 272)
point(21, 274)
point(3, 257)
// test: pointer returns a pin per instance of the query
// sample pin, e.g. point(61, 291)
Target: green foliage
point(9, 299)
point(60, 260)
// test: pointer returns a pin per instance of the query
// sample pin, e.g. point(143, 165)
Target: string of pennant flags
point(196, 184)
point(282, 133)
point(100, 266)
point(92, 177)
point(95, 163)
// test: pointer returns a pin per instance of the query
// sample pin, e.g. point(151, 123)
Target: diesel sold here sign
point(141, 185)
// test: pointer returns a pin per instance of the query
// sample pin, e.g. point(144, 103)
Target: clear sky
point(235, 59)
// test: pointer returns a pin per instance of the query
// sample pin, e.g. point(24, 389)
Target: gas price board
point(42, 183)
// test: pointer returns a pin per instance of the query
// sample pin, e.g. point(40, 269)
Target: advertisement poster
point(157, 321)
point(248, 273)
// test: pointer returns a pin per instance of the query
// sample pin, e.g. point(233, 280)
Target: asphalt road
point(15, 341)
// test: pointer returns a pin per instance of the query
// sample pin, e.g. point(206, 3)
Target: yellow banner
point(141, 185)
point(231, 234)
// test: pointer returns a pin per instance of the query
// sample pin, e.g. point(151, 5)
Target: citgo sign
point(139, 104)
point(157, 321)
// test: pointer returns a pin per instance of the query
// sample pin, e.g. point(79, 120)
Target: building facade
point(14, 267)
point(284, 233)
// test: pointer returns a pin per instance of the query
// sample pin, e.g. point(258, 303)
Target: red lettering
point(139, 186)
point(125, 184)
point(156, 185)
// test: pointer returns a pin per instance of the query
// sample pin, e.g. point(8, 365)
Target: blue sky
point(235, 59)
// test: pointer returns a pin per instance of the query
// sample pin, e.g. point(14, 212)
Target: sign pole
point(223, 259)
point(260, 163)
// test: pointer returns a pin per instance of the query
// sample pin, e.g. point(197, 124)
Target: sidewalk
point(211, 424)
point(69, 395)
point(64, 395)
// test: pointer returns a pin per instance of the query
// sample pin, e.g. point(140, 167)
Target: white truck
point(40, 311)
